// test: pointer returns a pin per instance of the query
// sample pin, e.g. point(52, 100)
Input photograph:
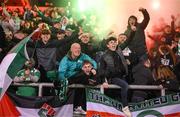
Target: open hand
point(93, 71)
point(133, 28)
point(105, 85)
point(36, 8)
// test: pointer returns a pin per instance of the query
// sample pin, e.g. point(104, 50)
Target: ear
point(83, 68)
point(107, 45)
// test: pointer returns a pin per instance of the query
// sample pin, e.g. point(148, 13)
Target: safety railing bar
point(111, 86)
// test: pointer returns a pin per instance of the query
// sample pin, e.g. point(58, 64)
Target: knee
point(125, 86)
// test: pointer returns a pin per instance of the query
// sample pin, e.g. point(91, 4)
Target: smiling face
point(45, 38)
point(87, 67)
point(85, 39)
point(75, 50)
point(122, 38)
point(112, 45)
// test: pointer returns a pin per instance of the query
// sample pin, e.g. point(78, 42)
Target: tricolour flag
point(12, 63)
point(99, 105)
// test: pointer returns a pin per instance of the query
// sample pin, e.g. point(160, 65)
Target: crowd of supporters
point(61, 50)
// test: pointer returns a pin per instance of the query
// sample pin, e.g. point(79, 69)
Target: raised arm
point(146, 19)
point(5, 11)
point(47, 20)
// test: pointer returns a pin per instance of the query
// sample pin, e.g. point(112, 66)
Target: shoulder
point(65, 58)
point(83, 55)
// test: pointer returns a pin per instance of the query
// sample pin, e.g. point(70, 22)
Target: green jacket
point(27, 90)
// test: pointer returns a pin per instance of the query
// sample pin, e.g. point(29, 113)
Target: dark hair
point(110, 39)
point(61, 32)
point(45, 31)
point(123, 34)
point(132, 17)
point(86, 62)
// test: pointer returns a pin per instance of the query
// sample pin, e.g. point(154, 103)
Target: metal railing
point(139, 87)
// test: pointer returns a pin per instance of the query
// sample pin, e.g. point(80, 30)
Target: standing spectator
point(167, 57)
point(64, 22)
point(70, 69)
point(113, 66)
point(11, 21)
point(138, 44)
point(27, 75)
point(46, 53)
point(28, 14)
point(123, 42)
point(87, 46)
point(51, 18)
point(139, 51)
point(168, 32)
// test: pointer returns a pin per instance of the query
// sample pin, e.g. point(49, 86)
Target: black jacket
point(138, 44)
point(113, 64)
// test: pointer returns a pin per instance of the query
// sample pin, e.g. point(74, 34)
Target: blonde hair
point(164, 73)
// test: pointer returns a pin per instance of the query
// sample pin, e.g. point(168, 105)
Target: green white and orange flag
point(99, 105)
point(12, 63)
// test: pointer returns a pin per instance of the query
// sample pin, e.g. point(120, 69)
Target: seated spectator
point(113, 66)
point(27, 75)
point(70, 68)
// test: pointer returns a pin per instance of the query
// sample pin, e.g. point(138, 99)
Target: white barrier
point(140, 87)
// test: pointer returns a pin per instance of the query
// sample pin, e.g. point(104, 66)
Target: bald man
point(70, 68)
point(72, 63)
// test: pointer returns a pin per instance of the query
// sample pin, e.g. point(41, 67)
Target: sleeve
point(19, 77)
point(62, 69)
point(6, 12)
point(47, 20)
point(173, 28)
point(102, 70)
point(146, 19)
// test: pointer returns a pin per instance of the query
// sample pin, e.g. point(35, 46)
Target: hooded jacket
point(69, 67)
